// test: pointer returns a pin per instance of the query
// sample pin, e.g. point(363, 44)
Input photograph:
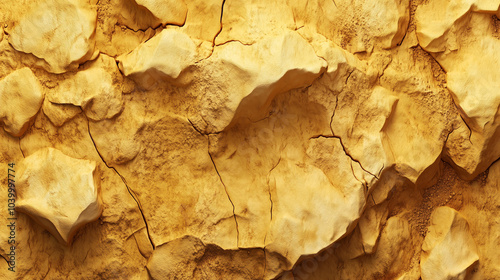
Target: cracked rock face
point(59, 192)
point(285, 139)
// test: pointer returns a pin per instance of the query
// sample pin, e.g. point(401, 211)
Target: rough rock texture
point(59, 32)
point(448, 249)
point(20, 99)
point(290, 139)
point(165, 56)
point(60, 193)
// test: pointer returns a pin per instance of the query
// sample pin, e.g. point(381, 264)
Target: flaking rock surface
point(290, 139)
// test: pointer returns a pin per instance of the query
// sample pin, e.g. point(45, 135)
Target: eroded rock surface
point(245, 79)
point(165, 56)
point(59, 32)
point(448, 249)
point(288, 139)
point(60, 193)
point(21, 97)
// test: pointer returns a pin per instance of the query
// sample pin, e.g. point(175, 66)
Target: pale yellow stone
point(59, 114)
point(93, 90)
point(250, 21)
point(245, 79)
point(448, 249)
point(172, 11)
point(21, 97)
point(357, 26)
point(289, 139)
point(60, 193)
point(203, 20)
point(164, 57)
point(59, 32)
point(296, 187)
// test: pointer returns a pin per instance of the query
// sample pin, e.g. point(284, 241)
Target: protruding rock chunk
point(448, 249)
point(245, 79)
point(93, 90)
point(165, 56)
point(20, 99)
point(59, 192)
point(60, 32)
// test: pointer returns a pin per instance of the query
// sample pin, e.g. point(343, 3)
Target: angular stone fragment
point(437, 21)
point(176, 258)
point(92, 89)
point(164, 57)
point(370, 225)
point(59, 114)
point(189, 258)
point(60, 32)
point(245, 79)
point(460, 35)
point(362, 112)
point(448, 249)
point(145, 14)
point(116, 139)
point(20, 99)
point(299, 191)
point(59, 192)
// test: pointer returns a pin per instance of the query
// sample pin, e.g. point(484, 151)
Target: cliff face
point(287, 139)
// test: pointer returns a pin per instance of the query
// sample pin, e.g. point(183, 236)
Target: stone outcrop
point(60, 193)
point(165, 56)
point(245, 79)
point(21, 97)
point(287, 139)
point(93, 90)
point(448, 249)
point(59, 32)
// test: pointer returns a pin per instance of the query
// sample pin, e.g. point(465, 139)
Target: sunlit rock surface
point(286, 139)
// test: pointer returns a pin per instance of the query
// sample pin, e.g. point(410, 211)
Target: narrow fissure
point(21, 149)
point(269, 187)
point(130, 191)
point(220, 30)
point(225, 189)
point(345, 152)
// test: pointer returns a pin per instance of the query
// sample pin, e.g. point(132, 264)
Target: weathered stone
point(252, 139)
point(165, 57)
point(21, 97)
point(245, 79)
point(448, 249)
point(60, 193)
point(173, 11)
point(59, 32)
point(93, 90)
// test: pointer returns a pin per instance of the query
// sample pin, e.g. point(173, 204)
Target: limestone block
point(164, 57)
point(245, 79)
point(59, 32)
point(21, 97)
point(59, 192)
point(448, 249)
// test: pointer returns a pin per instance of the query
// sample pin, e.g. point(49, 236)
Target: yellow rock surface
point(59, 192)
point(288, 139)
point(448, 249)
point(59, 32)
point(20, 99)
